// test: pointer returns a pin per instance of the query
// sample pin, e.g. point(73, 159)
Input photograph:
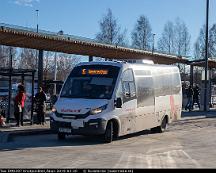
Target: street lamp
point(153, 43)
point(206, 56)
point(10, 84)
point(55, 65)
point(37, 11)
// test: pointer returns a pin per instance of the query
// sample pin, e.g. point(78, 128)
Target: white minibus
point(112, 99)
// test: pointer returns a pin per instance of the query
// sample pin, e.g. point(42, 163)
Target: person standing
point(190, 94)
point(196, 95)
point(19, 105)
point(40, 99)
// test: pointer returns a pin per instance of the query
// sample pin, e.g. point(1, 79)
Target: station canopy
point(23, 37)
point(16, 72)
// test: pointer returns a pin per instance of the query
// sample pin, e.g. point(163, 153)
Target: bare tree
point(175, 38)
point(110, 31)
point(28, 59)
point(199, 46)
point(142, 34)
point(48, 65)
point(182, 38)
point(65, 64)
point(181, 43)
point(5, 56)
point(212, 42)
point(166, 42)
point(199, 53)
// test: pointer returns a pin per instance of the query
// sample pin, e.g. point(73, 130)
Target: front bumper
point(92, 127)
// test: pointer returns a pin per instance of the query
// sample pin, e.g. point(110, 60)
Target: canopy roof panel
point(28, 38)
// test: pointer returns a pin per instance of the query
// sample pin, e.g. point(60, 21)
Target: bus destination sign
point(94, 72)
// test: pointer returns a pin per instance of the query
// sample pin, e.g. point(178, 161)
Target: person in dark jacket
point(196, 95)
point(40, 99)
point(190, 94)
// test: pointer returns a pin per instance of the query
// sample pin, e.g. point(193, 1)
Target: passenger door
point(127, 115)
point(145, 100)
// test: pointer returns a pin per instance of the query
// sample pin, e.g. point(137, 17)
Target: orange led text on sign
point(94, 72)
point(83, 71)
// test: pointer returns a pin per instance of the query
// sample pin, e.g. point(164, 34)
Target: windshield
point(91, 81)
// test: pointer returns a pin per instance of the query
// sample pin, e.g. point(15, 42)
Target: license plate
point(65, 130)
point(76, 124)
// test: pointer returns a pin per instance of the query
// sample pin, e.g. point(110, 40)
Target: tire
point(163, 125)
point(161, 128)
point(108, 136)
point(61, 136)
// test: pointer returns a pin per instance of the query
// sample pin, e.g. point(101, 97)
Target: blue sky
point(81, 17)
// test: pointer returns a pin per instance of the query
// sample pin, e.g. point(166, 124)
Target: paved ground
point(189, 143)
point(10, 130)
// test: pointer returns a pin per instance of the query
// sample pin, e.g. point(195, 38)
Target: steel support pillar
point(90, 58)
point(10, 85)
point(32, 98)
point(40, 69)
point(206, 103)
point(191, 75)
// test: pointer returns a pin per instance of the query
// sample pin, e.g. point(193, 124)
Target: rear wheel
point(164, 124)
point(108, 136)
point(61, 136)
point(161, 128)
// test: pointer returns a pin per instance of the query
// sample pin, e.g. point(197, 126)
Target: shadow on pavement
point(37, 141)
point(51, 141)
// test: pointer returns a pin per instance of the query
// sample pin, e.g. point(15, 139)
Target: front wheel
point(108, 136)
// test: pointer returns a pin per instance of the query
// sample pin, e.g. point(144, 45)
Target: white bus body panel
point(131, 117)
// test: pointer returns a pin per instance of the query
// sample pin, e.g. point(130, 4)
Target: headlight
point(98, 110)
point(54, 109)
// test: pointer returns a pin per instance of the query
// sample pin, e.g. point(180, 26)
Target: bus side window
point(129, 89)
point(132, 89)
point(119, 92)
point(126, 88)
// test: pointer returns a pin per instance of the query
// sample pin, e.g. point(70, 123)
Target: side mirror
point(127, 95)
point(53, 98)
point(118, 102)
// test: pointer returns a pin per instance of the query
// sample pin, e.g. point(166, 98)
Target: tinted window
point(167, 83)
point(128, 76)
point(91, 81)
point(129, 88)
point(145, 91)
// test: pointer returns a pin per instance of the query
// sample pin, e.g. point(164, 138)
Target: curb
point(3, 137)
point(8, 136)
point(184, 118)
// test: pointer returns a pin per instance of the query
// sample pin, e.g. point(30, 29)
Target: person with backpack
point(190, 94)
point(196, 98)
point(40, 99)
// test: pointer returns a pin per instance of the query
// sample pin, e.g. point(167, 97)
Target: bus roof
point(125, 64)
point(112, 63)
